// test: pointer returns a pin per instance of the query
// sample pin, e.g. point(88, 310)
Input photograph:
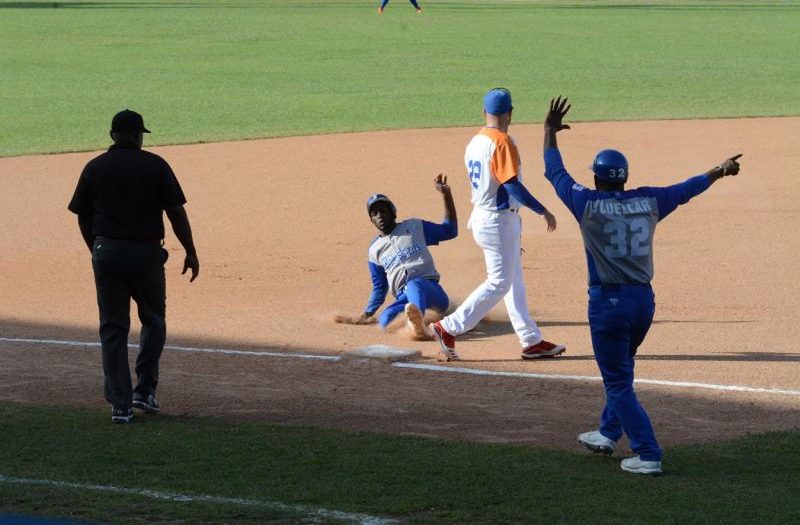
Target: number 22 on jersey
point(474, 172)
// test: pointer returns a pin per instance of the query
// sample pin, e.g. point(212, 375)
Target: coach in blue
point(400, 262)
point(617, 227)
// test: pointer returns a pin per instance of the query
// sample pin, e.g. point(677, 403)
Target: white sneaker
point(638, 466)
point(416, 325)
point(597, 442)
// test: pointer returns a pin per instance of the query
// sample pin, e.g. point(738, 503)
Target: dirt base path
point(282, 235)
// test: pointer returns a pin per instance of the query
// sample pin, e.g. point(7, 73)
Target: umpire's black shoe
point(146, 402)
point(121, 415)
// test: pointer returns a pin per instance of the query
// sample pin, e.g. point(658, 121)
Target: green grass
point(208, 70)
point(752, 480)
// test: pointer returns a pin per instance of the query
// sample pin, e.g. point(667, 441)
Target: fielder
point(617, 227)
point(400, 262)
point(495, 173)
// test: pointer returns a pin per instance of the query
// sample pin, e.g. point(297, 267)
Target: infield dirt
point(282, 235)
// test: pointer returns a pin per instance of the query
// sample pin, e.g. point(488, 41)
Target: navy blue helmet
point(611, 166)
point(380, 197)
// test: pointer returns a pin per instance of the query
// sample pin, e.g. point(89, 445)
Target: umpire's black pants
point(125, 270)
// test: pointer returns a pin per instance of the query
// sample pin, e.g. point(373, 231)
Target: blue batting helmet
point(611, 166)
point(380, 197)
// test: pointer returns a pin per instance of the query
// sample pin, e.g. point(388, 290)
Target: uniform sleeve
point(518, 190)
point(380, 286)
point(81, 203)
point(570, 192)
point(171, 192)
point(670, 197)
point(435, 233)
point(505, 161)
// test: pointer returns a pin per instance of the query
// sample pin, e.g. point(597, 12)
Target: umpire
point(119, 201)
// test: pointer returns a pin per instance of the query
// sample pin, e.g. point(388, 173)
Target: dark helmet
point(380, 197)
point(611, 166)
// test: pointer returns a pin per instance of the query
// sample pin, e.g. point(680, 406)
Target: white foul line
point(349, 517)
point(479, 372)
point(176, 348)
point(434, 368)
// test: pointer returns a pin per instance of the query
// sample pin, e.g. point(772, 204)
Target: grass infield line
point(432, 368)
point(349, 517)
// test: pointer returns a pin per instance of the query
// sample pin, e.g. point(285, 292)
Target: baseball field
point(280, 118)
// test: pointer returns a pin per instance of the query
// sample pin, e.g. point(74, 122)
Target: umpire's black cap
point(127, 120)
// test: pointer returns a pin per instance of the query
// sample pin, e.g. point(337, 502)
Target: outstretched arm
point(435, 233)
point(673, 196)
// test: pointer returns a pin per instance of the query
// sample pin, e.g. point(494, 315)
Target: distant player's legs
point(416, 6)
point(494, 234)
point(617, 320)
point(383, 5)
point(517, 302)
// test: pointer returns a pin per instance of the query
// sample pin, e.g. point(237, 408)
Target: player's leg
point(416, 5)
point(488, 232)
point(383, 6)
point(392, 311)
point(516, 300)
point(426, 293)
point(109, 262)
point(149, 292)
point(611, 316)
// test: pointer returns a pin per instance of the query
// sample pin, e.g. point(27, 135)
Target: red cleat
point(542, 349)
point(447, 342)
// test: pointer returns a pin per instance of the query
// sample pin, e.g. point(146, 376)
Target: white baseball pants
point(498, 235)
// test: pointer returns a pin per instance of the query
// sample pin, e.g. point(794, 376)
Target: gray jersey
point(618, 234)
point(404, 255)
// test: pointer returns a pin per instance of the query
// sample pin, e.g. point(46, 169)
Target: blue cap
point(380, 197)
point(497, 101)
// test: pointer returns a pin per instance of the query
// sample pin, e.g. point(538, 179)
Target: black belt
point(100, 238)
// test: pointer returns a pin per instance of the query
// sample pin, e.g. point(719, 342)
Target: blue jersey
point(618, 227)
point(403, 255)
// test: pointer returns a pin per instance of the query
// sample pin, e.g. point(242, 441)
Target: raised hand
point(558, 108)
point(441, 184)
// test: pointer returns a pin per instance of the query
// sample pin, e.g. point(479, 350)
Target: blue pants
point(619, 318)
point(424, 293)
point(413, 2)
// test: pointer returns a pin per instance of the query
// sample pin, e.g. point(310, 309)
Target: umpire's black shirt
point(126, 189)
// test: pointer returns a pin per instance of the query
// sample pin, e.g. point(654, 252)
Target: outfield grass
point(208, 70)
point(752, 480)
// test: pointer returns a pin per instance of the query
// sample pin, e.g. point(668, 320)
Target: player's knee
point(498, 286)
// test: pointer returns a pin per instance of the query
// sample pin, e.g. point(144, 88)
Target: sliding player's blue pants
point(619, 318)
point(424, 293)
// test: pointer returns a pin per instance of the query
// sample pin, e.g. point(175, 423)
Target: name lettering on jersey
point(578, 187)
point(399, 256)
point(609, 207)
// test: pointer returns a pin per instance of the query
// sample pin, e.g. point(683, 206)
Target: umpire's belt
point(131, 241)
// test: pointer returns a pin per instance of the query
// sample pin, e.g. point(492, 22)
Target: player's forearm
point(182, 228)
point(550, 140)
point(450, 209)
point(517, 190)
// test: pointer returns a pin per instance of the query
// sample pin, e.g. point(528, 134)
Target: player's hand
point(551, 221)
point(729, 166)
point(558, 108)
point(358, 320)
point(441, 184)
point(191, 262)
